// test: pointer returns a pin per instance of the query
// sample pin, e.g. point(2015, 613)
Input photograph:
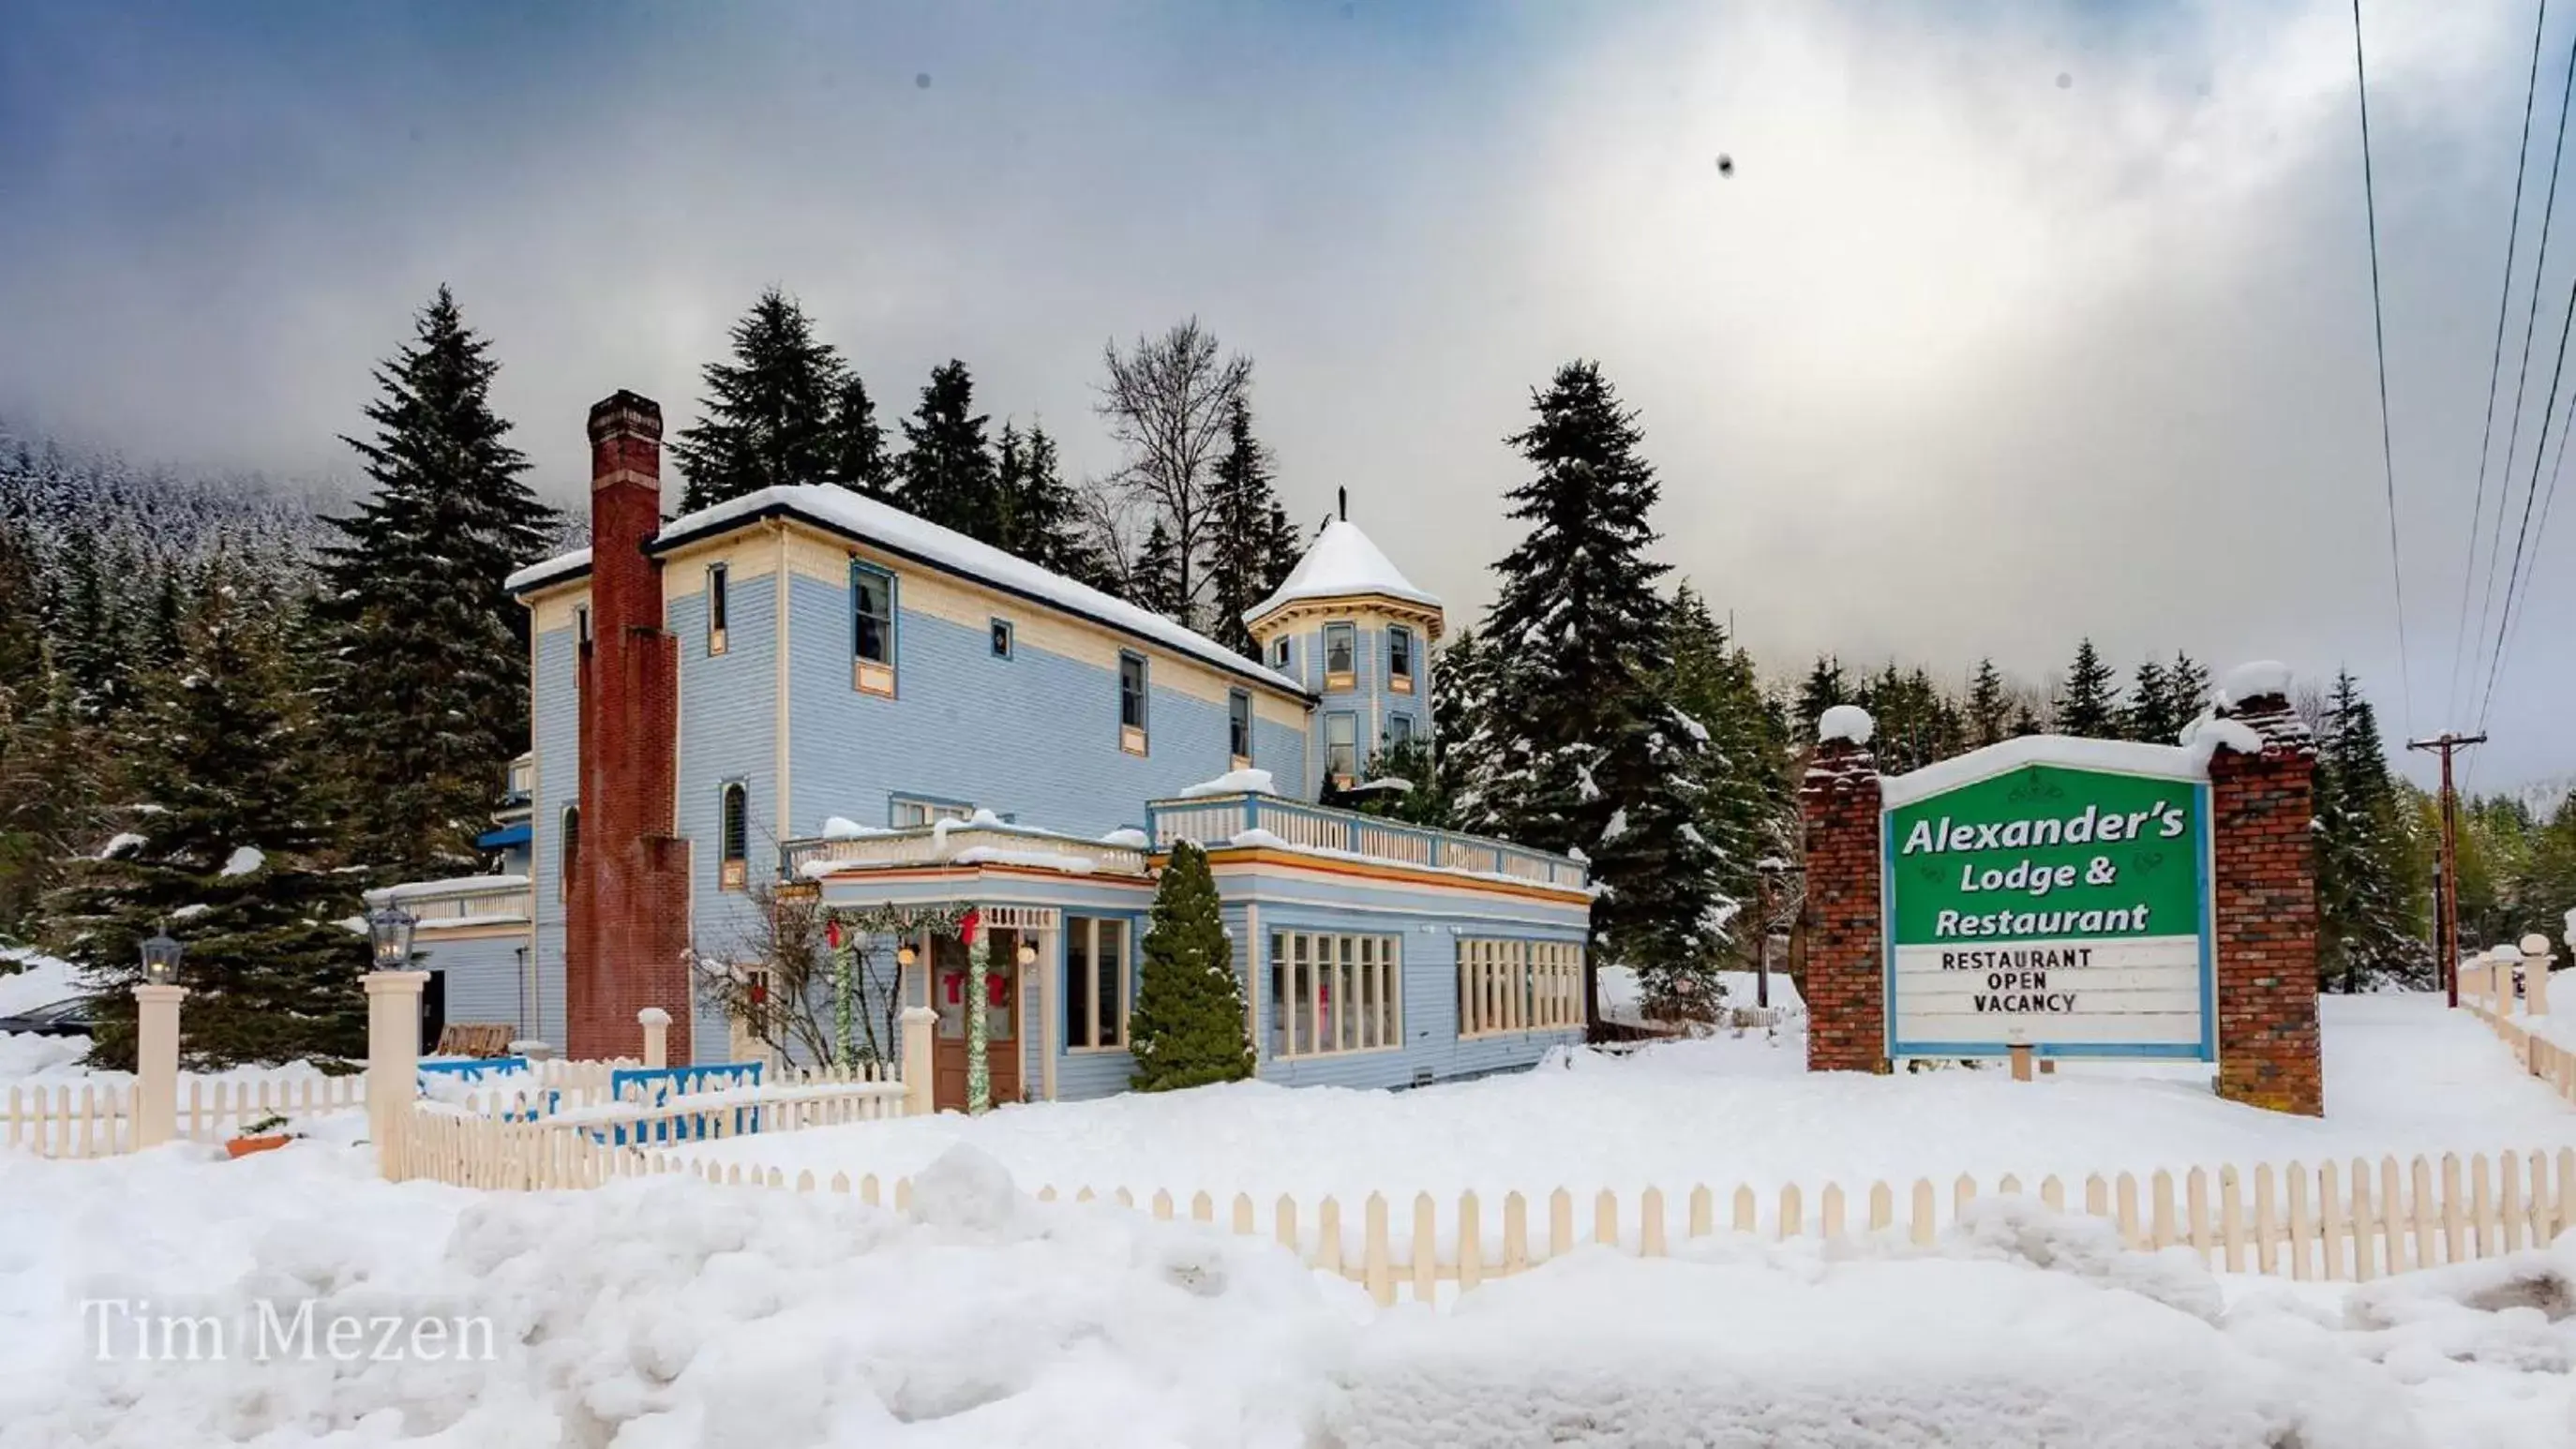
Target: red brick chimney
point(626, 934)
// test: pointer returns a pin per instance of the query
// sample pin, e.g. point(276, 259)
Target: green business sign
point(2051, 893)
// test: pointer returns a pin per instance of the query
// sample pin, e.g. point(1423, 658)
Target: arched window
point(733, 830)
point(571, 850)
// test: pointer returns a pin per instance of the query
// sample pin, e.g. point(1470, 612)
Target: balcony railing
point(479, 899)
point(1218, 819)
point(520, 782)
point(983, 841)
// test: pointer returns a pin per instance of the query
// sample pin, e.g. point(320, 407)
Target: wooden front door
point(1001, 1020)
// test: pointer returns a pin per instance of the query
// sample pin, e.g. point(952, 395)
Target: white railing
point(1217, 819)
point(952, 843)
point(467, 898)
point(588, 1145)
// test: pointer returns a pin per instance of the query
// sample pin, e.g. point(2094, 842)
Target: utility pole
point(2446, 893)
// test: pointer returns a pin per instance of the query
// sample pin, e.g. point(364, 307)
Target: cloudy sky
point(2002, 331)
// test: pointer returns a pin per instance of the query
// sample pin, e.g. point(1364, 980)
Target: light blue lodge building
point(887, 713)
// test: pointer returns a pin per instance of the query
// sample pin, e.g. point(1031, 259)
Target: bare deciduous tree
point(1168, 402)
point(782, 980)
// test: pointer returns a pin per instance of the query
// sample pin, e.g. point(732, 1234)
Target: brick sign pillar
point(1844, 985)
point(2264, 897)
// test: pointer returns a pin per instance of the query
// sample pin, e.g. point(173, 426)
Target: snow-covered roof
point(899, 532)
point(1343, 563)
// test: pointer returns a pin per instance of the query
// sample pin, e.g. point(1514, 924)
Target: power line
point(2514, 616)
point(2379, 337)
point(2522, 369)
point(2522, 534)
point(2495, 360)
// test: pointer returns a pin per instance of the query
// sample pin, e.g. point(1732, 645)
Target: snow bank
point(659, 1313)
point(29, 979)
point(1845, 722)
point(841, 827)
point(1232, 782)
point(2208, 734)
point(1129, 837)
point(2402, 1076)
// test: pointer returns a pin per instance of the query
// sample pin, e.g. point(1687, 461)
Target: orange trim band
point(1255, 855)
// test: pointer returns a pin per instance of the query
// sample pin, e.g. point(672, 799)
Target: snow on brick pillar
point(1844, 986)
point(626, 925)
point(2264, 893)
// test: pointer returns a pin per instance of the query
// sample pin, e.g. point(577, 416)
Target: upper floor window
point(569, 852)
point(1399, 729)
point(1279, 652)
point(1238, 727)
point(907, 812)
point(581, 624)
point(717, 607)
point(1341, 745)
point(1001, 638)
point(733, 830)
point(1131, 703)
point(1341, 655)
point(871, 628)
point(1399, 659)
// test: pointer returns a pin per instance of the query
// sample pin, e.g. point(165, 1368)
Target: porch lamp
point(161, 957)
point(389, 932)
point(903, 955)
point(1028, 954)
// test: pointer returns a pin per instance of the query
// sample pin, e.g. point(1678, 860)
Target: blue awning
point(503, 838)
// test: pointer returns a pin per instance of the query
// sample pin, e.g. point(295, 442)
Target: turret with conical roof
point(1350, 626)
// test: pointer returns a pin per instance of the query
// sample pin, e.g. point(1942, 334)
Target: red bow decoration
point(832, 931)
point(968, 925)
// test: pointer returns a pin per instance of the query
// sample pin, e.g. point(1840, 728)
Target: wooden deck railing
point(1217, 819)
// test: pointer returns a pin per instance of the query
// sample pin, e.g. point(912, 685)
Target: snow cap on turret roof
point(1343, 563)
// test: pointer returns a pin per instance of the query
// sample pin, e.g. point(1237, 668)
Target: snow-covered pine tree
point(2365, 933)
point(1187, 1029)
point(1716, 686)
point(948, 471)
point(227, 852)
point(1589, 753)
point(1989, 711)
point(771, 416)
point(2089, 704)
point(858, 458)
point(1251, 547)
point(425, 695)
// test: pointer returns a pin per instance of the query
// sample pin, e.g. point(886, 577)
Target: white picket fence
point(491, 1145)
point(584, 1086)
point(94, 1119)
point(2538, 1055)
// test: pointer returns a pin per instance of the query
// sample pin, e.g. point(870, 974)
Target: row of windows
point(1334, 994)
point(1506, 986)
point(1342, 652)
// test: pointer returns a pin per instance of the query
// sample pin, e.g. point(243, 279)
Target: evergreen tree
point(1989, 711)
point(1747, 806)
point(1187, 1029)
point(949, 476)
point(229, 855)
point(1040, 518)
point(2364, 934)
point(426, 694)
point(858, 458)
point(2187, 686)
point(1589, 754)
point(775, 415)
point(2153, 714)
point(2026, 721)
point(1251, 547)
point(1467, 676)
point(2088, 705)
point(1823, 689)
point(1154, 578)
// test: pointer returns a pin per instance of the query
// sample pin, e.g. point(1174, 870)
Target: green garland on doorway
point(900, 922)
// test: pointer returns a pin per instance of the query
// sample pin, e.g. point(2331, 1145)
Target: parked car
point(62, 1018)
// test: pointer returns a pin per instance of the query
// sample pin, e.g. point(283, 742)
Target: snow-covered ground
point(2402, 1076)
point(663, 1313)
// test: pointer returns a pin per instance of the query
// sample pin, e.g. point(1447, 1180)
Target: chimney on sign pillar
point(626, 923)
